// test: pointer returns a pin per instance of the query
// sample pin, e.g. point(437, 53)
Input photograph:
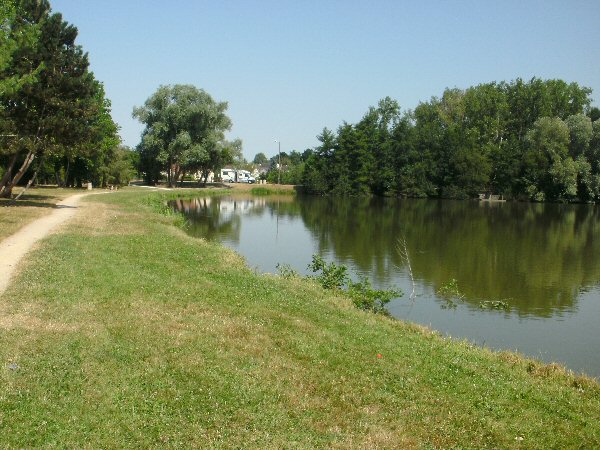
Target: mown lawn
point(122, 331)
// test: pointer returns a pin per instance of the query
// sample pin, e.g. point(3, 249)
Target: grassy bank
point(123, 331)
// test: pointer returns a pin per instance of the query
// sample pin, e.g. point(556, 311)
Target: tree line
point(536, 140)
point(55, 122)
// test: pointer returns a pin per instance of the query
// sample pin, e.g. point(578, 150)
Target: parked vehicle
point(243, 176)
point(236, 176)
point(228, 176)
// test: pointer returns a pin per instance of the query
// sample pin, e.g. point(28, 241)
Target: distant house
point(262, 170)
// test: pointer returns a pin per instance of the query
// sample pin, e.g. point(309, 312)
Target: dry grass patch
point(20, 321)
point(99, 219)
point(37, 202)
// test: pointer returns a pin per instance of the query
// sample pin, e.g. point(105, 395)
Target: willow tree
point(185, 131)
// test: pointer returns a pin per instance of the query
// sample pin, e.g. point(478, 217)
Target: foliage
point(160, 205)
point(450, 289)
point(287, 271)
point(333, 276)
point(520, 139)
point(184, 133)
point(366, 298)
point(495, 304)
point(52, 109)
point(271, 190)
point(292, 167)
point(260, 159)
point(450, 293)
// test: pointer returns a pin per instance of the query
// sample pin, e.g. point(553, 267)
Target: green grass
point(272, 190)
point(35, 203)
point(124, 332)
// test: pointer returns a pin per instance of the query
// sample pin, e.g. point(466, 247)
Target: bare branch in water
point(402, 249)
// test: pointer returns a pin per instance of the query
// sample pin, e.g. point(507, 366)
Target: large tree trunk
point(170, 173)
point(8, 187)
point(7, 193)
point(66, 180)
point(8, 174)
point(32, 180)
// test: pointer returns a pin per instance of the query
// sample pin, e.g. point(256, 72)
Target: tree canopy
point(184, 133)
point(260, 159)
point(52, 109)
point(532, 140)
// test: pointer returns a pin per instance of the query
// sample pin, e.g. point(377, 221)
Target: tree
point(121, 168)
point(260, 159)
point(56, 96)
point(12, 38)
point(378, 125)
point(222, 153)
point(550, 170)
point(580, 131)
point(90, 160)
point(184, 131)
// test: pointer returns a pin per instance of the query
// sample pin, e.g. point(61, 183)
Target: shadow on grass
point(28, 202)
point(37, 201)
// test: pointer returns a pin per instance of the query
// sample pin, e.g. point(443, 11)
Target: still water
point(541, 261)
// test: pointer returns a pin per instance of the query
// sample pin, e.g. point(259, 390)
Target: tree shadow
point(31, 201)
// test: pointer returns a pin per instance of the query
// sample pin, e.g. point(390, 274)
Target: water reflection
point(543, 260)
point(535, 257)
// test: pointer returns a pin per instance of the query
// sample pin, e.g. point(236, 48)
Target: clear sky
point(290, 68)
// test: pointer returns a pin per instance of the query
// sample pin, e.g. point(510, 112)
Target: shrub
point(361, 292)
point(332, 276)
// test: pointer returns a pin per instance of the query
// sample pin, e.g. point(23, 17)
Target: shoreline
point(147, 325)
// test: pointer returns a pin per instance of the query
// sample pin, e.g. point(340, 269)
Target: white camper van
point(228, 176)
point(243, 176)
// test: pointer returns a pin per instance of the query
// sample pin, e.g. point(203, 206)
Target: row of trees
point(538, 140)
point(184, 134)
point(55, 120)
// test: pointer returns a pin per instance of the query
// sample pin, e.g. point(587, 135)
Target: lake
point(528, 274)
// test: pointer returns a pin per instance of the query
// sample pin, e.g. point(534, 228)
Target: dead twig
point(403, 252)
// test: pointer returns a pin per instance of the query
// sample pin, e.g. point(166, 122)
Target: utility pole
point(278, 161)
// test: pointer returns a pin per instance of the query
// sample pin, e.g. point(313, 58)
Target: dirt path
point(15, 247)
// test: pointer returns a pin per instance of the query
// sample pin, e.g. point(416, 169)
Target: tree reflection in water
point(535, 257)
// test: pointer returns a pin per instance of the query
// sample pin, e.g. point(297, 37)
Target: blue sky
point(290, 68)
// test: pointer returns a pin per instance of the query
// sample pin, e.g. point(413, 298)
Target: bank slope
point(123, 331)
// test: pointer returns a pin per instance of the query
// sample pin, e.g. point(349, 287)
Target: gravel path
point(15, 247)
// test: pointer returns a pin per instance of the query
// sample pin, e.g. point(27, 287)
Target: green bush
point(362, 294)
point(366, 298)
point(332, 276)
